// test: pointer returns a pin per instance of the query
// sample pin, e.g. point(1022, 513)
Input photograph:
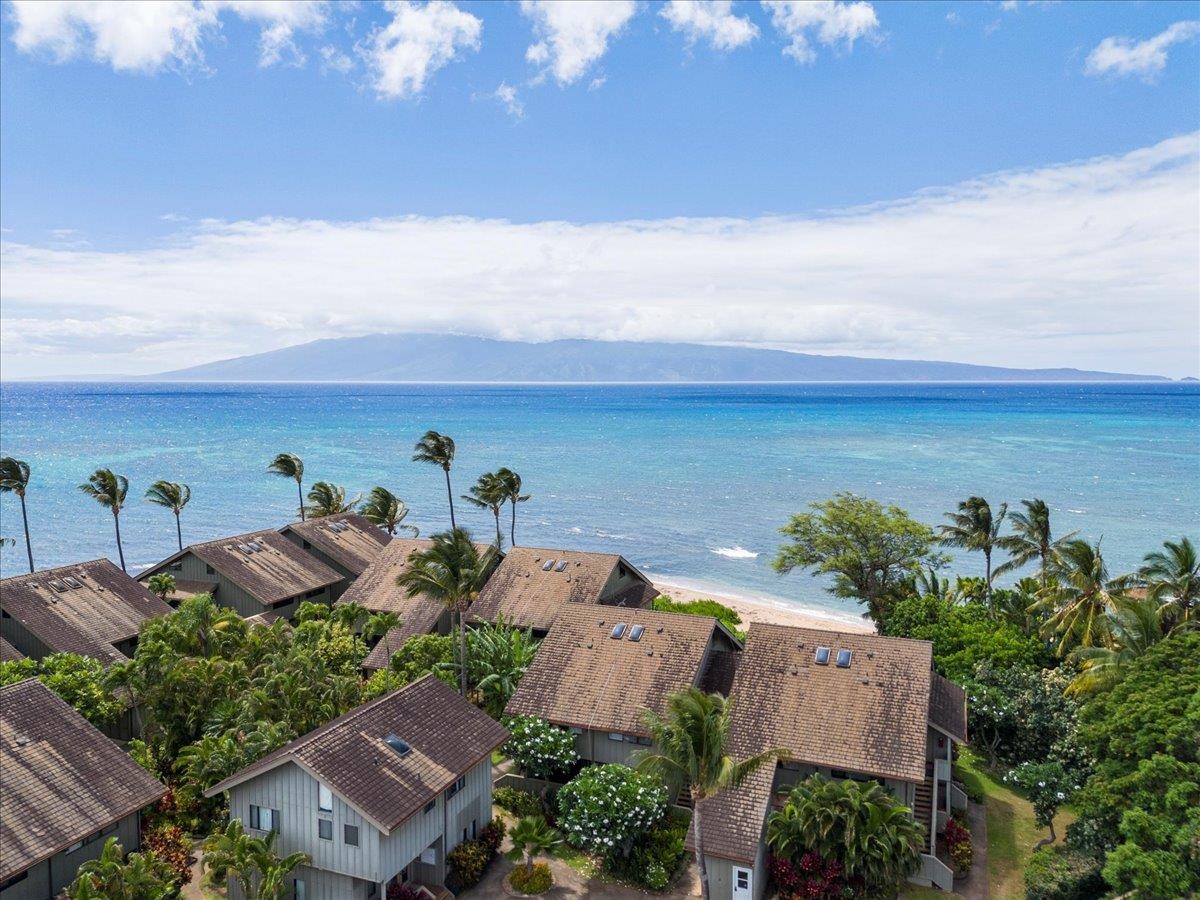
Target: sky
point(1012, 183)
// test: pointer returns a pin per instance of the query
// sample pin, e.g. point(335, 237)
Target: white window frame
point(738, 890)
point(324, 798)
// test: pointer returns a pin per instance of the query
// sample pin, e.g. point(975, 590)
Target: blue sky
point(195, 151)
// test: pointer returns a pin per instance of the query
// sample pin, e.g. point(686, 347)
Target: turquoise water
point(689, 482)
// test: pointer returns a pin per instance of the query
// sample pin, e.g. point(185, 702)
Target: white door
point(743, 883)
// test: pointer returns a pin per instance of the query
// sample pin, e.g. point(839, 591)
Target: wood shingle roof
point(352, 540)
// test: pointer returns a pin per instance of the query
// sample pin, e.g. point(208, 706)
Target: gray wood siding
point(313, 550)
point(319, 885)
point(47, 879)
point(598, 747)
point(193, 568)
point(22, 638)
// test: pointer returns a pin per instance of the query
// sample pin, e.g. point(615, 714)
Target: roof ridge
point(346, 717)
point(47, 573)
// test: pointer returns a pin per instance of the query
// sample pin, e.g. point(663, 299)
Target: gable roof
point(528, 595)
point(354, 542)
point(948, 707)
point(9, 653)
point(279, 571)
point(447, 735)
point(63, 779)
point(583, 677)
point(97, 607)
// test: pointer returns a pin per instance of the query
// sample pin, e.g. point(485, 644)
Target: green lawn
point(1011, 829)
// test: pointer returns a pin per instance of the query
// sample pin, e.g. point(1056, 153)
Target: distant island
point(449, 358)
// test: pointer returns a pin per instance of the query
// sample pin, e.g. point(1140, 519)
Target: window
point(743, 880)
point(175, 567)
point(474, 823)
point(822, 656)
point(280, 604)
point(299, 889)
point(315, 592)
point(210, 570)
point(263, 818)
point(325, 829)
point(614, 736)
point(75, 846)
point(843, 659)
point(324, 798)
point(430, 806)
point(456, 787)
point(350, 835)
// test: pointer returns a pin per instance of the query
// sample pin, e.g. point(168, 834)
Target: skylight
point(398, 744)
point(561, 567)
point(548, 565)
point(843, 659)
point(822, 657)
point(636, 632)
point(73, 581)
point(58, 586)
point(618, 631)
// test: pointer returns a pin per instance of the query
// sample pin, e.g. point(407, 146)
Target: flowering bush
point(958, 843)
point(604, 809)
point(1047, 786)
point(492, 835)
point(535, 881)
point(405, 891)
point(539, 749)
point(655, 857)
point(172, 850)
point(468, 861)
point(813, 878)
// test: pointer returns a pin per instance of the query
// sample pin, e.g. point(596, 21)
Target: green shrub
point(726, 616)
point(656, 856)
point(519, 803)
point(536, 880)
point(468, 861)
point(539, 749)
point(1058, 873)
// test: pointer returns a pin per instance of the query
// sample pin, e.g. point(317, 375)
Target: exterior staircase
point(923, 802)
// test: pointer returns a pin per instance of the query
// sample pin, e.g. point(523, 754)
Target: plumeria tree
point(605, 809)
point(539, 749)
point(1048, 786)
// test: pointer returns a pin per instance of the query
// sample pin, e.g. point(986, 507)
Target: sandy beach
point(777, 612)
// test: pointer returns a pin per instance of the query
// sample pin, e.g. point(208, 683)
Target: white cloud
point(830, 22)
point(151, 35)
point(710, 20)
point(1125, 56)
point(572, 36)
point(420, 39)
point(507, 94)
point(334, 60)
point(1092, 264)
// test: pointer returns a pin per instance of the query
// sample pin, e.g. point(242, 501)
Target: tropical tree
point(1172, 579)
point(1078, 599)
point(117, 877)
point(387, 511)
point(512, 487)
point(974, 527)
point(489, 492)
point(14, 478)
point(532, 836)
point(173, 496)
point(500, 655)
point(862, 827)
point(289, 465)
point(438, 450)
point(109, 491)
point(161, 585)
point(451, 571)
point(327, 499)
point(1032, 539)
point(274, 869)
point(691, 752)
point(1134, 627)
point(230, 853)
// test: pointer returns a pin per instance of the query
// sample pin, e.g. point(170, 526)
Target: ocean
point(689, 482)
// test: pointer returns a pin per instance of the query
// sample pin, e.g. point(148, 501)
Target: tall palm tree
point(109, 491)
point(451, 571)
point(387, 511)
point(289, 465)
point(692, 752)
point(14, 478)
point(1031, 539)
point(532, 836)
point(489, 492)
point(438, 450)
point(327, 499)
point(173, 496)
point(1079, 598)
point(512, 486)
point(974, 527)
point(1134, 628)
point(1172, 579)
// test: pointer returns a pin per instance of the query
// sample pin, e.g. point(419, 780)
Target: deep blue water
point(663, 474)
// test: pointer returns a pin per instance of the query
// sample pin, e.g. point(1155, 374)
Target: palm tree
point(173, 496)
point(273, 869)
point(387, 511)
point(974, 527)
point(692, 752)
point(1079, 598)
point(489, 492)
point(532, 836)
point(1031, 539)
point(14, 478)
point(438, 449)
point(109, 491)
point(1134, 628)
point(231, 853)
point(451, 571)
point(1172, 579)
point(327, 499)
point(289, 465)
point(500, 655)
point(512, 486)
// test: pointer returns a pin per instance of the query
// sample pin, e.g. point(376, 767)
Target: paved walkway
point(975, 885)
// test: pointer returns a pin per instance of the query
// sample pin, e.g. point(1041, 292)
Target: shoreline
point(774, 611)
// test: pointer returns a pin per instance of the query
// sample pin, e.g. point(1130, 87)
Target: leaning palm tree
point(289, 465)
point(1172, 579)
point(692, 752)
point(438, 450)
point(451, 571)
point(1031, 539)
point(14, 478)
point(387, 511)
point(1079, 598)
point(109, 491)
point(489, 492)
point(512, 487)
point(173, 496)
point(327, 499)
point(1134, 628)
point(974, 527)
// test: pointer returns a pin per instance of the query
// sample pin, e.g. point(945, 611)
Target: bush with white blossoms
point(1047, 785)
point(539, 749)
point(604, 809)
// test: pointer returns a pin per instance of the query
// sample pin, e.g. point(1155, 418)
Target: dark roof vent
point(617, 631)
point(398, 744)
point(843, 659)
point(822, 656)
